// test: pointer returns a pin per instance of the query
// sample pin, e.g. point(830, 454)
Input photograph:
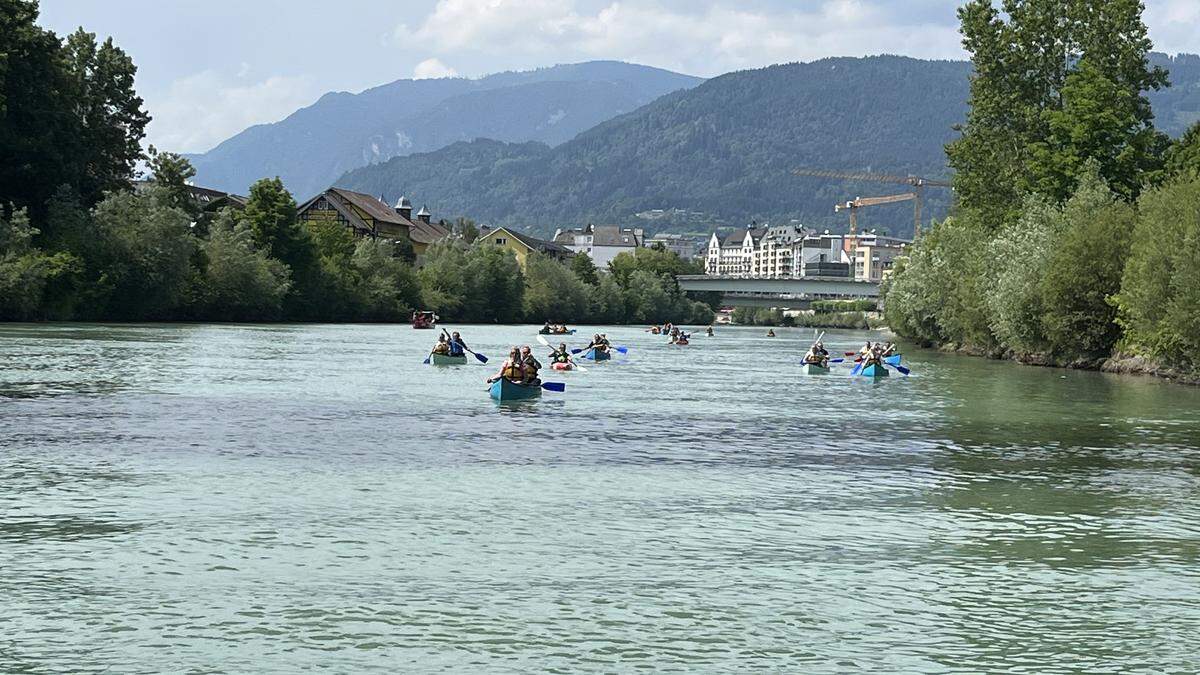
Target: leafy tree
point(387, 289)
point(553, 292)
point(271, 214)
point(151, 251)
point(26, 272)
point(495, 285)
point(467, 229)
point(1018, 258)
point(173, 172)
point(1160, 288)
point(585, 269)
point(443, 279)
point(1084, 271)
point(608, 303)
point(1183, 156)
point(239, 282)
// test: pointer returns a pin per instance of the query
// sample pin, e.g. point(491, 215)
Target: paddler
point(456, 344)
point(442, 346)
point(513, 368)
point(771, 332)
point(561, 354)
point(708, 331)
point(532, 366)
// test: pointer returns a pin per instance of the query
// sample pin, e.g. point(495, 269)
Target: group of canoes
point(676, 335)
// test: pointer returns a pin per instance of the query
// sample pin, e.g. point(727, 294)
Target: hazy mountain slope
point(726, 147)
point(341, 131)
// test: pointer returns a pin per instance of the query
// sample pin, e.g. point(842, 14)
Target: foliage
point(26, 272)
point(475, 284)
point(387, 288)
point(585, 269)
point(173, 173)
point(851, 320)
point(238, 282)
point(1084, 271)
point(1160, 290)
point(1055, 83)
point(553, 292)
point(1183, 157)
point(821, 306)
point(1018, 258)
point(68, 113)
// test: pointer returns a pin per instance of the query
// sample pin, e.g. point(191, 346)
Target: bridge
point(790, 293)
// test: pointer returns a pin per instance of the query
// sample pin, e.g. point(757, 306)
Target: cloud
point(1174, 25)
point(432, 68)
point(705, 38)
point(198, 111)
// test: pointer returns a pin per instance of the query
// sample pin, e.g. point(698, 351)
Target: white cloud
point(1174, 25)
point(432, 68)
point(200, 110)
point(707, 39)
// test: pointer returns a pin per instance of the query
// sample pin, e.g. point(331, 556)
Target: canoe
point(814, 369)
point(504, 390)
point(893, 360)
point(594, 355)
point(447, 360)
point(566, 332)
point(681, 343)
point(874, 371)
point(562, 366)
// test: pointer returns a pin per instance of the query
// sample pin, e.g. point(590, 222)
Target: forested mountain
point(341, 131)
point(723, 151)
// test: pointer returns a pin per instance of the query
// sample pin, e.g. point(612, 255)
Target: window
point(500, 241)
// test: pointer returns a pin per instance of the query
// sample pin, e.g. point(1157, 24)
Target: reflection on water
point(275, 498)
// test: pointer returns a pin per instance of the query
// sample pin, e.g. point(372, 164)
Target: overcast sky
point(210, 68)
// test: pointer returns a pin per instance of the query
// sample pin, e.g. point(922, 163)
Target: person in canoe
point(532, 366)
point(598, 343)
point(817, 355)
point(873, 357)
point(513, 368)
point(889, 349)
point(456, 344)
point(561, 354)
point(442, 346)
point(770, 332)
point(708, 331)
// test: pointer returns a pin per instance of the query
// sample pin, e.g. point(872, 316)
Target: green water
point(281, 498)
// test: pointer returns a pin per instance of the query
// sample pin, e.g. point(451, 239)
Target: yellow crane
point(916, 182)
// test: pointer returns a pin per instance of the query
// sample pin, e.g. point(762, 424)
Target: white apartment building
point(733, 255)
point(791, 251)
point(602, 243)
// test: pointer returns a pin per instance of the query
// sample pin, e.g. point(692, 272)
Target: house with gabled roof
point(522, 244)
point(368, 216)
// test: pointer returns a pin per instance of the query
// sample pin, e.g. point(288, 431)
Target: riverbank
point(1119, 364)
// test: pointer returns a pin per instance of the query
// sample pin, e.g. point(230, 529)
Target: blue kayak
point(874, 371)
point(594, 355)
point(504, 390)
point(893, 360)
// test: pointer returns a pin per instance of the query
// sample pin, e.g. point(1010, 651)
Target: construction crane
point(916, 182)
point(859, 202)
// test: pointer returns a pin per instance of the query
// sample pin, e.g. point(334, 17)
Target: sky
point(210, 68)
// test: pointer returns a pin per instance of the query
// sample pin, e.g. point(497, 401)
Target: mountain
point(340, 132)
point(721, 153)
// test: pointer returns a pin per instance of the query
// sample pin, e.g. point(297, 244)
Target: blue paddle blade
point(426, 361)
point(893, 360)
point(623, 350)
point(481, 357)
point(836, 360)
point(554, 386)
point(857, 368)
point(902, 369)
point(576, 351)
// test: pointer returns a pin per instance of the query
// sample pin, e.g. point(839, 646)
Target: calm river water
point(278, 498)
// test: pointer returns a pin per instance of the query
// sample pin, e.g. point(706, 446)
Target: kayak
point(447, 360)
point(893, 360)
point(874, 371)
point(504, 390)
point(548, 332)
point(814, 369)
point(681, 343)
point(594, 355)
point(562, 366)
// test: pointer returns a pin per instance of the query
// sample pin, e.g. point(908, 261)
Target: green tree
point(27, 273)
point(238, 282)
point(1183, 156)
point(1084, 271)
point(173, 172)
point(387, 288)
point(495, 286)
point(151, 248)
point(443, 279)
point(608, 302)
point(585, 269)
point(1160, 287)
point(553, 292)
point(1018, 259)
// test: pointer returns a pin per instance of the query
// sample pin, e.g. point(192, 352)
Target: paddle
point(547, 344)
point(902, 369)
point(857, 369)
point(480, 357)
point(836, 360)
point(893, 360)
point(623, 350)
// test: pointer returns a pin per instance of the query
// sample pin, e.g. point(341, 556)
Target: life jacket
point(441, 348)
point(456, 348)
point(559, 357)
point(513, 371)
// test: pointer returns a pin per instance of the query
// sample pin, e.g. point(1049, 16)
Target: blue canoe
point(504, 390)
point(874, 371)
point(893, 360)
point(593, 355)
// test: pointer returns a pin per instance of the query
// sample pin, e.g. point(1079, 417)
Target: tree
point(466, 229)
point(271, 214)
point(1018, 259)
point(553, 292)
point(585, 269)
point(1183, 156)
point(1084, 271)
point(173, 172)
point(495, 285)
point(26, 272)
point(387, 289)
point(238, 282)
point(1160, 287)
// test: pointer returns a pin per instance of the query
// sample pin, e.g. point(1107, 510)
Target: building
point(367, 216)
point(873, 255)
point(522, 244)
point(602, 243)
point(773, 256)
point(821, 255)
point(733, 255)
point(680, 245)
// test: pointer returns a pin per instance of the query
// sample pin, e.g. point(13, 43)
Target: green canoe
point(445, 360)
point(814, 369)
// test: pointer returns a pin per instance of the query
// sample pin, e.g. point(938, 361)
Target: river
point(211, 498)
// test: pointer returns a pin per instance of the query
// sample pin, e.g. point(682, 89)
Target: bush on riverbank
point(762, 316)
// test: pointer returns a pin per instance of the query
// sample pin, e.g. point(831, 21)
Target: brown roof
point(418, 231)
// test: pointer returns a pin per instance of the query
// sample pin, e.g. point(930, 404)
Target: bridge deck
point(805, 287)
